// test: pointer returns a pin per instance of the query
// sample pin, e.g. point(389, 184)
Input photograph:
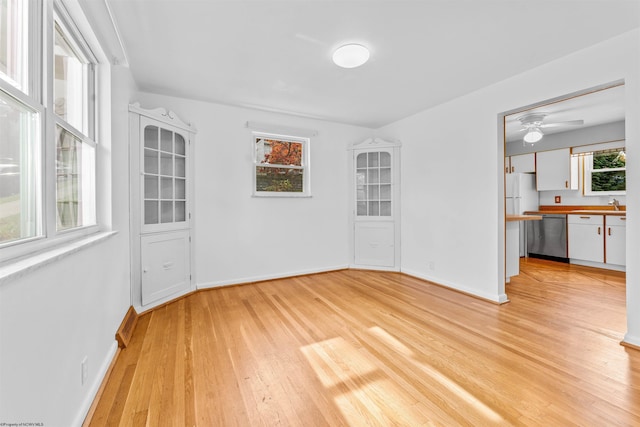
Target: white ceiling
point(276, 55)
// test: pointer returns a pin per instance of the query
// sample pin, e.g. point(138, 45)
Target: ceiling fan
point(533, 123)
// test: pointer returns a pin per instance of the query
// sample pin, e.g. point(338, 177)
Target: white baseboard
point(598, 265)
point(497, 298)
point(262, 278)
point(632, 340)
point(95, 386)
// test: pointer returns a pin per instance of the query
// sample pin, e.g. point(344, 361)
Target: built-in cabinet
point(585, 235)
point(375, 204)
point(597, 240)
point(521, 163)
point(556, 170)
point(615, 240)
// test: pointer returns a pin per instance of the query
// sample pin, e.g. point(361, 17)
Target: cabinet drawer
point(585, 219)
point(620, 221)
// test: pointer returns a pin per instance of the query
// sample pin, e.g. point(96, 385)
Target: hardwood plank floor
point(383, 349)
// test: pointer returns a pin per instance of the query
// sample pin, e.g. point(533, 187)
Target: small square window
point(281, 166)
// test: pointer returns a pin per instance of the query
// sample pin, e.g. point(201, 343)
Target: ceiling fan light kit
point(533, 135)
point(532, 123)
point(351, 55)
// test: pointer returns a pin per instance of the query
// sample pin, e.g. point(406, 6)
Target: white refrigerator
point(521, 196)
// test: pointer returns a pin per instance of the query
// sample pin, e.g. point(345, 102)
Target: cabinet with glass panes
point(373, 184)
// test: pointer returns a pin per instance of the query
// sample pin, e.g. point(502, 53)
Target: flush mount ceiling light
point(533, 135)
point(351, 55)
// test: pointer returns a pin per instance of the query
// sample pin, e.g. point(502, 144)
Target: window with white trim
point(605, 173)
point(281, 166)
point(34, 213)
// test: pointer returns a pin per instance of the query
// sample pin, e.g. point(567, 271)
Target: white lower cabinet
point(616, 240)
point(586, 237)
point(597, 240)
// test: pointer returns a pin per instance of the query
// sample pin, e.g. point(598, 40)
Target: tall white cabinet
point(161, 151)
point(375, 204)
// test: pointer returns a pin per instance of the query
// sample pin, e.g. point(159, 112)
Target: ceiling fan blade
point(567, 123)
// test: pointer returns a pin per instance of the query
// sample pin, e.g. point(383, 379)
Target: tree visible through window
point(605, 172)
point(280, 165)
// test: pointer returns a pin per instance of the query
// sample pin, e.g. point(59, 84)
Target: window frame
point(588, 172)
point(304, 165)
point(42, 18)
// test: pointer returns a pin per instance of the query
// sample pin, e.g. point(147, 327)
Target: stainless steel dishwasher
point(548, 238)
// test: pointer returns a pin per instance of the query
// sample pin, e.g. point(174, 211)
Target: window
point(14, 43)
point(373, 184)
point(605, 172)
point(281, 166)
point(19, 170)
point(75, 148)
point(47, 173)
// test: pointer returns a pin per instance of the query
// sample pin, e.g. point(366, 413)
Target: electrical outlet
point(84, 367)
point(558, 199)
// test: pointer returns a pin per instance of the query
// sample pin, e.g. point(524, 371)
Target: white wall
point(53, 317)
point(452, 182)
point(240, 238)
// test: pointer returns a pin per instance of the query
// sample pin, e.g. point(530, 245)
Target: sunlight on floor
point(362, 389)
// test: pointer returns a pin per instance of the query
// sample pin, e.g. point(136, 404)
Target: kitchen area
point(565, 182)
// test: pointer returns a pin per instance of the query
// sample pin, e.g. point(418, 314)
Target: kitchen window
point(281, 166)
point(605, 172)
point(48, 146)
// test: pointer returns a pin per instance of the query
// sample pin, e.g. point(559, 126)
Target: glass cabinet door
point(373, 184)
point(164, 170)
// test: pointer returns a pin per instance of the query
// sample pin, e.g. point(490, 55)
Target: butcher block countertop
point(523, 217)
point(579, 210)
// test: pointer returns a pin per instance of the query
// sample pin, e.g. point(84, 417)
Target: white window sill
point(14, 269)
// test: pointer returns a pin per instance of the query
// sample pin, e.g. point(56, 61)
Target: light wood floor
point(381, 349)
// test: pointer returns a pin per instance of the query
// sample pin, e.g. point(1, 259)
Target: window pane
point(362, 160)
point(166, 164)
point(385, 192)
point(14, 43)
point(362, 208)
point(385, 159)
point(166, 140)
point(75, 181)
point(150, 161)
point(385, 175)
point(276, 152)
point(180, 166)
point(151, 212)
point(181, 189)
point(608, 180)
point(180, 212)
point(19, 171)
point(373, 160)
point(166, 214)
point(385, 208)
point(151, 137)
point(180, 145)
point(166, 185)
point(70, 91)
point(151, 187)
point(279, 179)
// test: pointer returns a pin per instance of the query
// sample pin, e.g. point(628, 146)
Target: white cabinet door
point(523, 163)
point(165, 265)
point(586, 241)
point(616, 240)
point(553, 170)
point(375, 244)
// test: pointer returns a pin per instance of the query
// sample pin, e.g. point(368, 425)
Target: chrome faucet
point(615, 203)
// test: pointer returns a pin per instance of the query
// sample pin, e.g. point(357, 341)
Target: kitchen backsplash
point(574, 197)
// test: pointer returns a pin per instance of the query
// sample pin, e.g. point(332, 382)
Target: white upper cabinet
point(522, 163)
point(554, 170)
